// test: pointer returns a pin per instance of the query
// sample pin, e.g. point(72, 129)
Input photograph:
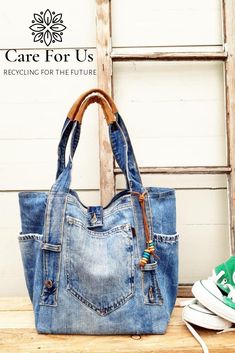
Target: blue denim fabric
point(81, 263)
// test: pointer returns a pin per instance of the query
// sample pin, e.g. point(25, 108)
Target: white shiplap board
point(179, 181)
point(31, 164)
point(202, 218)
point(78, 17)
point(175, 112)
point(166, 23)
point(34, 111)
point(33, 105)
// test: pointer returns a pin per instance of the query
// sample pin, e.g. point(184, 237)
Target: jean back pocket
point(99, 265)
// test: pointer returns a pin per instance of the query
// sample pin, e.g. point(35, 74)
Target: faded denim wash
point(81, 263)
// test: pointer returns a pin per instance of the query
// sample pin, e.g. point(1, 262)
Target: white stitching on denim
point(166, 238)
point(30, 236)
point(77, 222)
point(136, 227)
point(104, 311)
point(106, 213)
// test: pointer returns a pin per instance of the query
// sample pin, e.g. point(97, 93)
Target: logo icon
point(47, 27)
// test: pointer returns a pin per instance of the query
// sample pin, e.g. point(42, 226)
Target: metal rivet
point(94, 218)
point(48, 283)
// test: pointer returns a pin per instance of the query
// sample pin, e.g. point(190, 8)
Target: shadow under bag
point(100, 270)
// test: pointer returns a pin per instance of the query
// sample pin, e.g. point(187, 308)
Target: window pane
point(175, 111)
point(166, 23)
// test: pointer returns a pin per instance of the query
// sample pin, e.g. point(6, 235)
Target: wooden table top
point(18, 334)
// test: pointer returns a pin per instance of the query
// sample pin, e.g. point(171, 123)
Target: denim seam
point(120, 228)
point(159, 293)
point(166, 238)
point(89, 305)
point(136, 226)
point(111, 210)
point(153, 274)
point(161, 194)
point(47, 254)
point(44, 253)
point(149, 212)
point(60, 254)
point(164, 280)
point(116, 209)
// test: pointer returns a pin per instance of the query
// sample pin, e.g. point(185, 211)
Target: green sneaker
point(224, 277)
point(217, 293)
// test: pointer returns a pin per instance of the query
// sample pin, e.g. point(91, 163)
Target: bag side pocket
point(150, 286)
point(29, 247)
point(166, 246)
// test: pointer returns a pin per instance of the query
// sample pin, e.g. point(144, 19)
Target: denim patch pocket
point(100, 266)
point(29, 247)
point(166, 246)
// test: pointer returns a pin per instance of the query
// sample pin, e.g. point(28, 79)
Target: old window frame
point(105, 58)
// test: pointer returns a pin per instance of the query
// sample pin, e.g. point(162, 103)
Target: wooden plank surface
point(18, 334)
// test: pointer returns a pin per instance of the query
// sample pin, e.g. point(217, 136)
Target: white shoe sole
point(207, 320)
point(213, 303)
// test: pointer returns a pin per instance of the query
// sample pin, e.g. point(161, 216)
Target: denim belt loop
point(51, 246)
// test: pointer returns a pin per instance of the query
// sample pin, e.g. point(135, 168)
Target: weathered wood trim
point(185, 291)
point(104, 72)
point(181, 170)
point(169, 56)
point(229, 39)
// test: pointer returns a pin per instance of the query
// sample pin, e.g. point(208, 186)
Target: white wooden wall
point(32, 114)
point(175, 114)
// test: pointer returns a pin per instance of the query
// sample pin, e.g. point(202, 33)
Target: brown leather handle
point(76, 106)
point(95, 98)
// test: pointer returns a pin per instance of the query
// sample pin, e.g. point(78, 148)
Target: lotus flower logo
point(47, 27)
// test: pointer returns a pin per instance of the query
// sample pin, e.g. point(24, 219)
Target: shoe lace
point(231, 294)
point(215, 277)
point(190, 327)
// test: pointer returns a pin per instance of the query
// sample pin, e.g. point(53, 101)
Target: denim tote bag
point(100, 270)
